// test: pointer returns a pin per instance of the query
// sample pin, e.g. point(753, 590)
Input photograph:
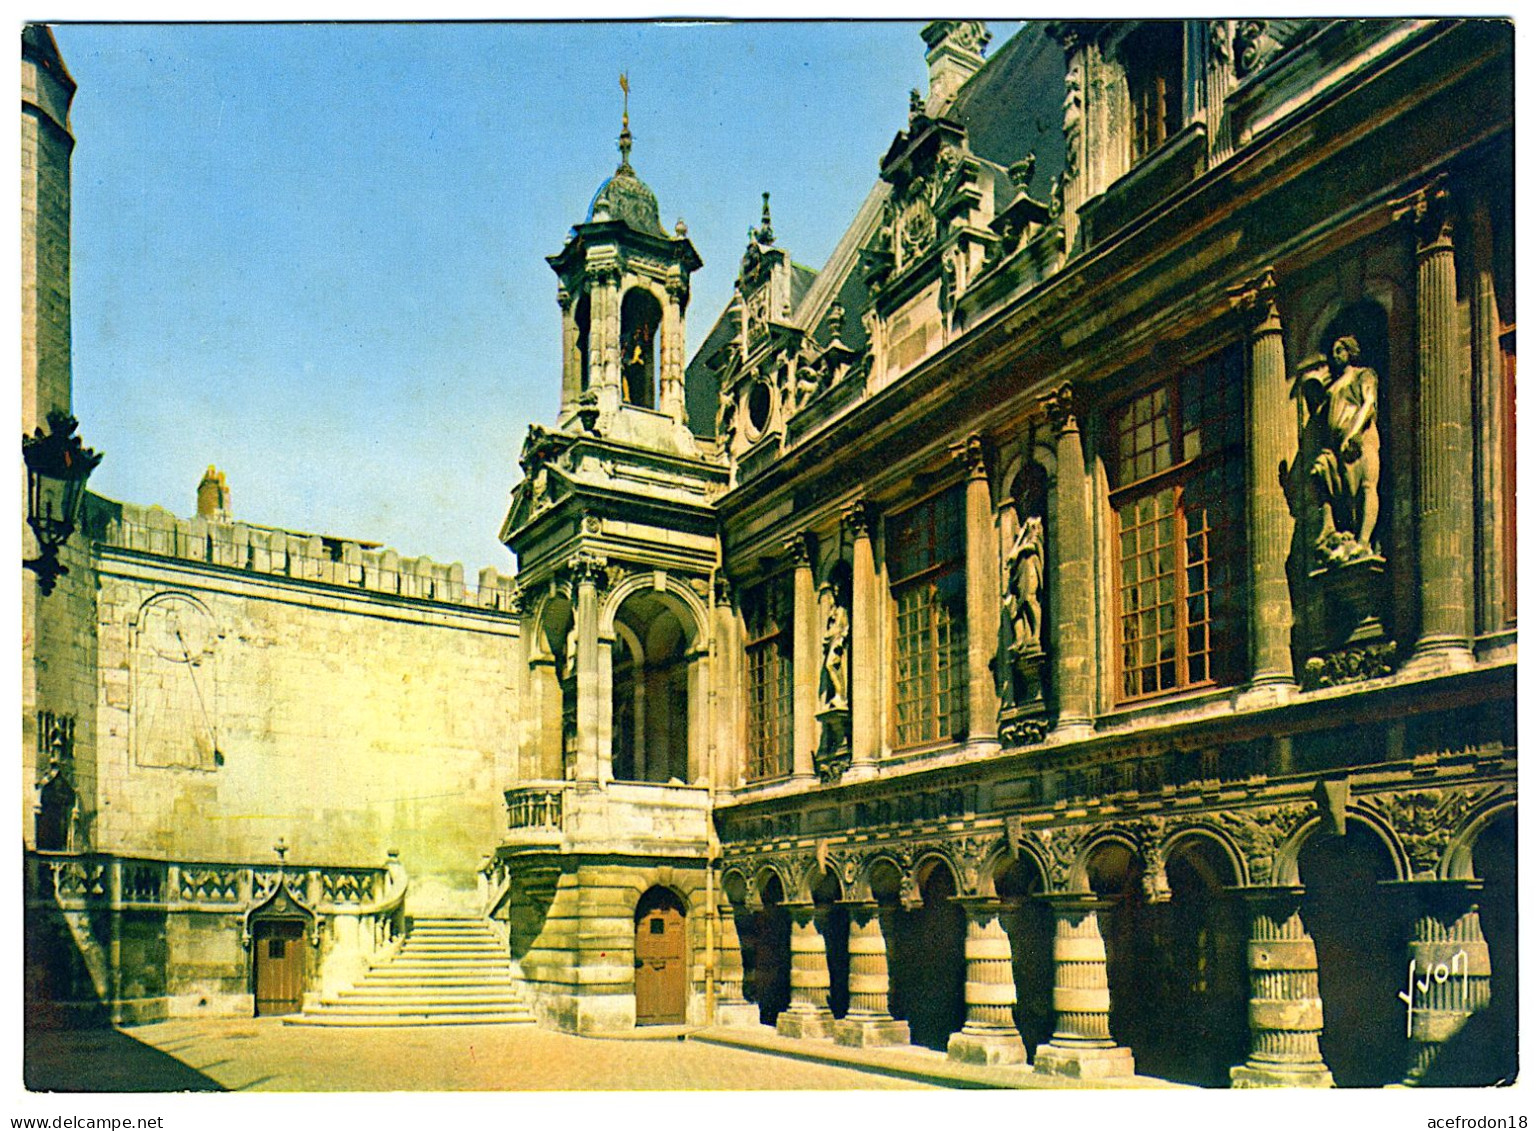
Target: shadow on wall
point(103, 1060)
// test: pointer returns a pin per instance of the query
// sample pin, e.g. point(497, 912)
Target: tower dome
point(624, 196)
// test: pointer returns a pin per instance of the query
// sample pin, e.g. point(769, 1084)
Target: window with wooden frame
point(1152, 56)
point(926, 565)
point(1177, 490)
point(770, 679)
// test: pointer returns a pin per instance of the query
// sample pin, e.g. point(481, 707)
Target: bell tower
point(624, 287)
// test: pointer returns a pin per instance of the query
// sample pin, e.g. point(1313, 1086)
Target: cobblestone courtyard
point(265, 1055)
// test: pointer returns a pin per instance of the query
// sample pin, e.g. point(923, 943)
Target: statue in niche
point(835, 654)
point(1022, 602)
point(636, 353)
point(1341, 399)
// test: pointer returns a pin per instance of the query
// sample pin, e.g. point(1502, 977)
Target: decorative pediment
point(279, 901)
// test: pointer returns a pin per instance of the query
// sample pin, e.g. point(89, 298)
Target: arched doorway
point(279, 965)
point(661, 959)
point(765, 938)
point(640, 320)
point(1029, 924)
point(1136, 968)
point(1360, 934)
point(833, 923)
point(928, 967)
point(1203, 931)
point(651, 691)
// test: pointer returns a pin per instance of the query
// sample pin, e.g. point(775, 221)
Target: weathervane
point(624, 133)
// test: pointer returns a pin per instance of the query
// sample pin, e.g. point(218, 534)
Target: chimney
point(955, 55)
point(214, 496)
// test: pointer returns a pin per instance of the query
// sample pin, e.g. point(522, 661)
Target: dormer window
point(1152, 56)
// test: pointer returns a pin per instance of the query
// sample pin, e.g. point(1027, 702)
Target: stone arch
point(1018, 879)
point(880, 877)
point(737, 886)
point(1201, 831)
point(1458, 861)
point(926, 949)
point(552, 684)
point(925, 862)
point(1285, 868)
point(688, 887)
point(657, 679)
point(767, 871)
point(1079, 874)
point(764, 936)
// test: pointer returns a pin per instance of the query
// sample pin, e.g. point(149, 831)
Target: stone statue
point(1022, 600)
point(835, 655)
point(1342, 403)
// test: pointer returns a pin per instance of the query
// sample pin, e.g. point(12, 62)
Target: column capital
point(563, 296)
point(860, 517)
point(1061, 407)
point(1255, 301)
point(603, 275)
point(724, 589)
point(587, 568)
point(972, 453)
point(801, 547)
point(1428, 211)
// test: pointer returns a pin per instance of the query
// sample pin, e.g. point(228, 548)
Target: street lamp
point(58, 465)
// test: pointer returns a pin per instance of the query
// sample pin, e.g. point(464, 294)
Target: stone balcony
point(616, 817)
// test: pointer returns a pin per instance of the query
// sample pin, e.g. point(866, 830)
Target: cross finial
point(624, 133)
point(281, 848)
point(766, 228)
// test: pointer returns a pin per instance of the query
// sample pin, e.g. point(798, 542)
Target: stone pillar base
point(860, 771)
point(1280, 1076)
point(737, 1015)
point(986, 1047)
point(1084, 1063)
point(1443, 659)
point(806, 1025)
point(1270, 694)
point(871, 1034)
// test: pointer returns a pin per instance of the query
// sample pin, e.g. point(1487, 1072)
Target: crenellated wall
point(254, 684)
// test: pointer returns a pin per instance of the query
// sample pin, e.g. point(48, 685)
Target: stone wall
point(257, 685)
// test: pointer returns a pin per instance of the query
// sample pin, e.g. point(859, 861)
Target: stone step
point(425, 1006)
point(468, 995)
point(401, 1020)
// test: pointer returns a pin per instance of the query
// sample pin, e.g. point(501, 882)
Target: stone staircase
point(447, 972)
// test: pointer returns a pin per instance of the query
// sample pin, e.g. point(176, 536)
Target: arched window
point(651, 691)
point(640, 317)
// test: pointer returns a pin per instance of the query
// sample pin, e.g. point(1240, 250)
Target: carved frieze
point(1259, 833)
point(1352, 664)
point(1425, 821)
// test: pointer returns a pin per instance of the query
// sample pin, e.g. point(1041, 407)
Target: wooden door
point(279, 959)
point(660, 968)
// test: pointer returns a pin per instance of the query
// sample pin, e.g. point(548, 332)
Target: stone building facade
point(1075, 626)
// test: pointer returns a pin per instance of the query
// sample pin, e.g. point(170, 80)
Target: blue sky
point(314, 254)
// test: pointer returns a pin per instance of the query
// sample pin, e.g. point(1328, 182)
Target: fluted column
point(603, 344)
point(571, 364)
point(1445, 438)
point(864, 663)
point(989, 1035)
point(1286, 1012)
point(1081, 1044)
point(1073, 575)
point(1272, 444)
point(1447, 973)
point(806, 657)
point(869, 1022)
point(587, 571)
point(808, 1015)
point(731, 1007)
point(982, 595)
point(670, 395)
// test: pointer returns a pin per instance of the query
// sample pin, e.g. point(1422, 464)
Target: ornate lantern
point(58, 465)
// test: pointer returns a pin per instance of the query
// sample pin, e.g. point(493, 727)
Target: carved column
point(1081, 1044)
point(807, 656)
point(1272, 444)
point(808, 1015)
point(1489, 436)
point(732, 1008)
point(1286, 1012)
point(587, 572)
point(671, 379)
point(1445, 437)
point(864, 661)
point(603, 337)
point(982, 595)
point(1073, 572)
point(989, 1035)
point(571, 364)
point(1447, 972)
point(869, 1022)
point(727, 768)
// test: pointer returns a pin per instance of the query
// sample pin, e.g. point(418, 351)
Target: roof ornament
point(624, 133)
point(765, 233)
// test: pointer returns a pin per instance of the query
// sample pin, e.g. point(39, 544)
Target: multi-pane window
point(766, 611)
point(1152, 56)
point(926, 562)
point(1178, 481)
